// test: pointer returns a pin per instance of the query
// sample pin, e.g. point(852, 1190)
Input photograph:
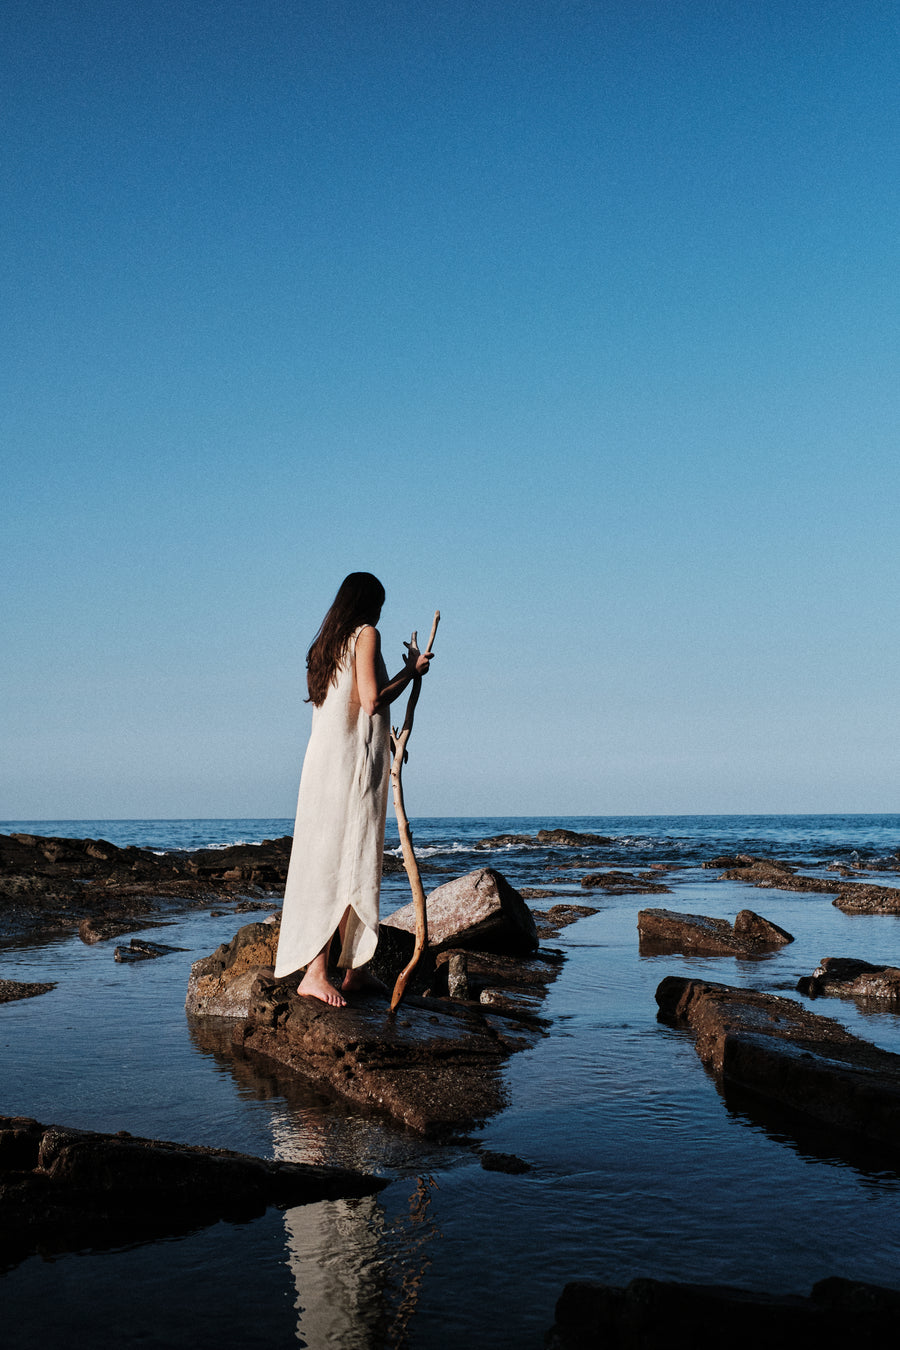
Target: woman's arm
point(371, 696)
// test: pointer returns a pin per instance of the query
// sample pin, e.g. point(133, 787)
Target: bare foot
point(314, 985)
point(362, 981)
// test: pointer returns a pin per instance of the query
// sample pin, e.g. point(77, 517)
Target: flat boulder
point(780, 1052)
point(433, 1065)
point(846, 977)
point(479, 910)
point(665, 930)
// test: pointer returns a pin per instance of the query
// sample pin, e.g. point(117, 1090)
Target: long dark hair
point(358, 601)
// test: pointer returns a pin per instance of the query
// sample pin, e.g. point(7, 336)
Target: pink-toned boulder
point(480, 911)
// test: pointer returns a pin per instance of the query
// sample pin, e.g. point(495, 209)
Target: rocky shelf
point(779, 1052)
point(62, 1188)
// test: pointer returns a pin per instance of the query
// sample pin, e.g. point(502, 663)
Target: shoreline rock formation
point(776, 1050)
point(853, 897)
point(63, 1188)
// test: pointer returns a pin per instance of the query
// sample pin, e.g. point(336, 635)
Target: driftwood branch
point(398, 745)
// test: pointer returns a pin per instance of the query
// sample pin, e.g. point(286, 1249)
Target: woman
point(334, 876)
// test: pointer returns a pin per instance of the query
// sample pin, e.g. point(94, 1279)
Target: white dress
point(339, 831)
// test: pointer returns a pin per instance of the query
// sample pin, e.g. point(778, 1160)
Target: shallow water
point(639, 1165)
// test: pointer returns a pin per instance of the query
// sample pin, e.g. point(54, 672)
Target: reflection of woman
point(334, 875)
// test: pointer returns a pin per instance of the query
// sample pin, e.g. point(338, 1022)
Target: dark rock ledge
point(661, 1315)
point(62, 1188)
point(776, 1051)
point(853, 897)
point(664, 930)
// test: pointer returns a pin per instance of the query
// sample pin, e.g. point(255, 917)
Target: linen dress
point(338, 843)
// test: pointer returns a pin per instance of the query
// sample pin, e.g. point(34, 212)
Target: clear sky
point(578, 319)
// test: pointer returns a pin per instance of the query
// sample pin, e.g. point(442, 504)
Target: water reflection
point(812, 1141)
point(359, 1274)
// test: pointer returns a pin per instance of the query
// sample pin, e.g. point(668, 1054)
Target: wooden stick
point(398, 745)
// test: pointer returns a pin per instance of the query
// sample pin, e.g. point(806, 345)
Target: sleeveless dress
point(338, 843)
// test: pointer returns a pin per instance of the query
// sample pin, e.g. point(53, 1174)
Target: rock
point(458, 976)
point(505, 840)
point(664, 930)
point(62, 1188)
point(780, 1052)
point(853, 897)
point(220, 984)
point(512, 984)
point(662, 1315)
point(570, 838)
point(846, 977)
point(433, 1065)
point(10, 990)
point(141, 950)
point(504, 1162)
point(624, 883)
point(550, 922)
point(860, 898)
point(99, 929)
point(479, 910)
point(394, 953)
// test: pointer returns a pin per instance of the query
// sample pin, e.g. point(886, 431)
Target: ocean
point(639, 1165)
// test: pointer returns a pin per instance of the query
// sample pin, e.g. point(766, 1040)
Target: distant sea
point(643, 839)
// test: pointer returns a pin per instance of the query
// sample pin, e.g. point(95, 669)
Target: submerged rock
point(10, 990)
point(624, 883)
point(780, 1052)
point(479, 910)
point(62, 1188)
point(846, 977)
point(665, 930)
point(664, 1315)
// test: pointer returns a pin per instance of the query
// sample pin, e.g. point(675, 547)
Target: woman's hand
point(417, 663)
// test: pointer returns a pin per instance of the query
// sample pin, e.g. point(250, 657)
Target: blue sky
point(576, 320)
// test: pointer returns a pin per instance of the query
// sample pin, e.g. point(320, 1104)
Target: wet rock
point(433, 1065)
point(458, 976)
point(665, 930)
point(504, 1162)
point(860, 898)
point(10, 990)
point(778, 1051)
point(505, 840)
point(479, 910)
point(846, 977)
point(62, 1188)
point(624, 883)
point(550, 922)
point(853, 897)
point(661, 1315)
point(100, 930)
point(220, 984)
point(141, 950)
point(571, 838)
